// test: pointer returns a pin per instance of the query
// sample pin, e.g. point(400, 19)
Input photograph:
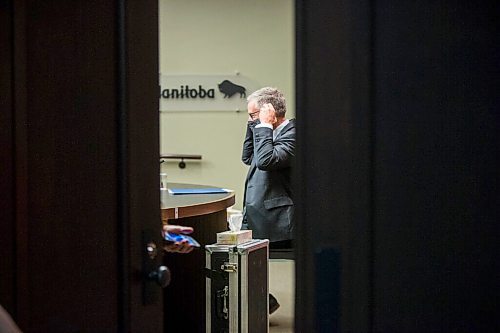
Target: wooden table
point(184, 298)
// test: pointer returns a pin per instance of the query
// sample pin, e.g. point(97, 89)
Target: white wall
point(253, 37)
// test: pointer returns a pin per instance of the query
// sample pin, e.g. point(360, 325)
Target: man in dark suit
point(269, 149)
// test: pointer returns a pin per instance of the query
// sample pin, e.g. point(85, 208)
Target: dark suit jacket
point(268, 201)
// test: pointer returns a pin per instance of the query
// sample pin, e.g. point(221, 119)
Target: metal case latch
point(230, 267)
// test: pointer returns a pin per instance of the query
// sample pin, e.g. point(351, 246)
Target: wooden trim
point(334, 206)
point(198, 209)
point(141, 34)
point(123, 225)
point(21, 162)
point(7, 176)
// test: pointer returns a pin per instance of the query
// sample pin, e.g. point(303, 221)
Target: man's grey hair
point(269, 95)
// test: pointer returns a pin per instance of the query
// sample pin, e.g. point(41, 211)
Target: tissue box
point(234, 237)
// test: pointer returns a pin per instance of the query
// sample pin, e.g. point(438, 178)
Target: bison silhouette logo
point(229, 89)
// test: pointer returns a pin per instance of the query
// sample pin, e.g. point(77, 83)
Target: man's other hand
point(267, 114)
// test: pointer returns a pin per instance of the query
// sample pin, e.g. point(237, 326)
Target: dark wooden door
point(80, 165)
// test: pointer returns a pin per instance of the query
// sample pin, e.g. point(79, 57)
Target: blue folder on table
point(176, 191)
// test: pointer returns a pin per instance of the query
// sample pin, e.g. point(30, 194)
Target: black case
point(237, 287)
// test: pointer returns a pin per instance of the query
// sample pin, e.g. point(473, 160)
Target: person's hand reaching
point(179, 247)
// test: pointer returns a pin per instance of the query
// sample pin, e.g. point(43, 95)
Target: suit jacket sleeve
point(247, 155)
point(275, 155)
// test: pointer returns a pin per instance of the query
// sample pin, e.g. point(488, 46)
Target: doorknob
point(161, 276)
point(153, 273)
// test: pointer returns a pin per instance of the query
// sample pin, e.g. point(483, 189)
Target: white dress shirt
point(277, 130)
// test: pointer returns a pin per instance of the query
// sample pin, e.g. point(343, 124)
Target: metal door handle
point(161, 276)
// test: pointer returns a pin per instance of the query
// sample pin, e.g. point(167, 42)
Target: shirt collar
point(278, 129)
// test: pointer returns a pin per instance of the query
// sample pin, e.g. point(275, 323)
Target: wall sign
point(205, 92)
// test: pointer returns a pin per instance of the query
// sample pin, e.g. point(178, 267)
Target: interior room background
point(221, 37)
